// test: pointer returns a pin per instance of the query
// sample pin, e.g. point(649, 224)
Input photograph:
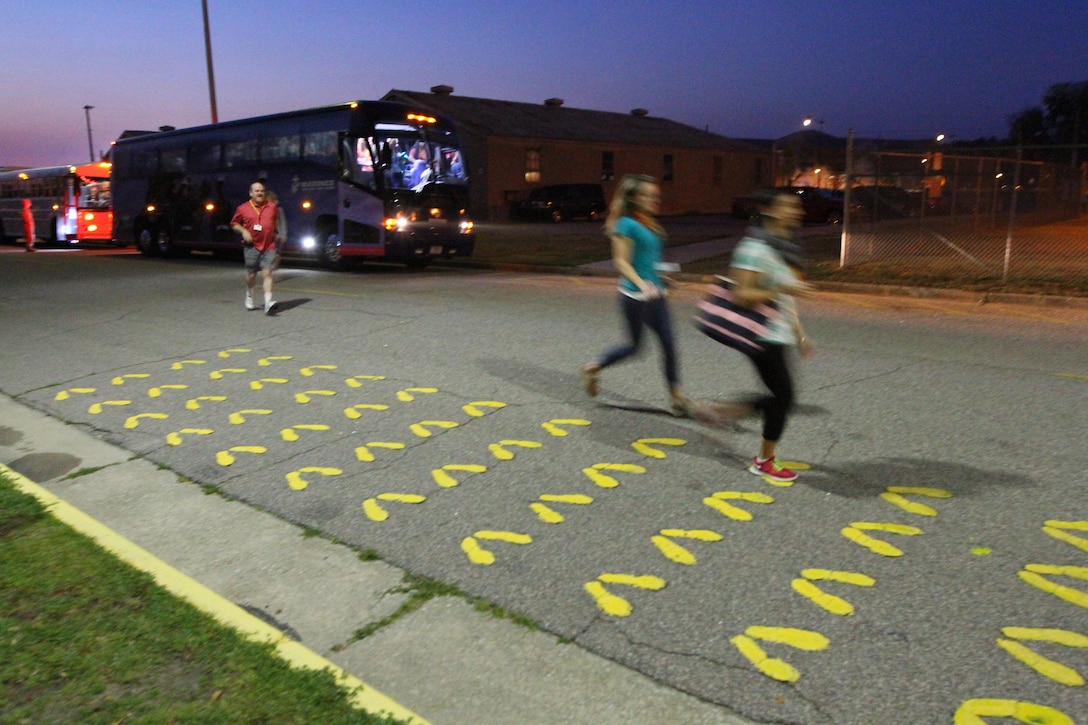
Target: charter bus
point(366, 180)
point(70, 204)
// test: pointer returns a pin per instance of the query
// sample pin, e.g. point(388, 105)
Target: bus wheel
point(330, 252)
point(164, 243)
point(145, 242)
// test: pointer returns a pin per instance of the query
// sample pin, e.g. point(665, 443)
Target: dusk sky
point(740, 68)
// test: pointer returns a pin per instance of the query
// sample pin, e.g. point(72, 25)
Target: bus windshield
point(400, 156)
point(94, 194)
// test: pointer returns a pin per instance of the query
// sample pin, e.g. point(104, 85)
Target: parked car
point(559, 202)
point(822, 206)
point(873, 203)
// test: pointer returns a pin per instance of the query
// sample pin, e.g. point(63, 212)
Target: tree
point(1059, 121)
point(1030, 128)
point(1067, 111)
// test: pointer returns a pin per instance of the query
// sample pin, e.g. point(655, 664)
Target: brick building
point(512, 147)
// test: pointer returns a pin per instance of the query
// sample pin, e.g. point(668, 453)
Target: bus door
point(69, 210)
point(360, 210)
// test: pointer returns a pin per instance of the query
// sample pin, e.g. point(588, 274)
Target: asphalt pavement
point(962, 465)
point(446, 663)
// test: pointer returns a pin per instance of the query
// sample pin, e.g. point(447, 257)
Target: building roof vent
point(554, 102)
point(442, 90)
point(640, 112)
point(166, 128)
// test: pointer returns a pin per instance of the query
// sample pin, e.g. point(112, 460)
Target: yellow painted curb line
point(361, 695)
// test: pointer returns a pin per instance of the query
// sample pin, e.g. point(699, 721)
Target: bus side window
point(320, 149)
point(204, 156)
point(173, 160)
point(279, 149)
point(240, 153)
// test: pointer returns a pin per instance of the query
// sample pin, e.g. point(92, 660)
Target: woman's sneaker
point(769, 470)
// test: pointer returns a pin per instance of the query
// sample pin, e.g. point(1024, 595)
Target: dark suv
point(559, 202)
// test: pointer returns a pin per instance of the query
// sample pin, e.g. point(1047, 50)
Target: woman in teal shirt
point(637, 243)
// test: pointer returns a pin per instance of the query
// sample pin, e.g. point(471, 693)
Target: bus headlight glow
point(89, 216)
point(306, 205)
point(309, 242)
point(150, 207)
point(396, 224)
point(209, 207)
point(466, 227)
point(92, 227)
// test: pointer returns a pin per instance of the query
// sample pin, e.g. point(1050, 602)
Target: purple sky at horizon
point(740, 68)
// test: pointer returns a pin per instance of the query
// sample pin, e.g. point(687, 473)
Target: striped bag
point(721, 319)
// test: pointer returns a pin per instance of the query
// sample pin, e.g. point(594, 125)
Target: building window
point(608, 165)
point(532, 166)
point(718, 174)
point(667, 171)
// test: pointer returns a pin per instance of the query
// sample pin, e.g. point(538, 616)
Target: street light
point(806, 122)
point(90, 142)
point(208, 57)
point(993, 206)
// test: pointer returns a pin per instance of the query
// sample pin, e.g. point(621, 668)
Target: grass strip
point(87, 638)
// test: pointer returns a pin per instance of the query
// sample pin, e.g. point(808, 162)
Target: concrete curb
point(220, 609)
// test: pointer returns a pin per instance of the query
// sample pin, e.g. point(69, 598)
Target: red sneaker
point(770, 470)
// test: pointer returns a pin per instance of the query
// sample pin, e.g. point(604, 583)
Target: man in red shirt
point(28, 225)
point(255, 220)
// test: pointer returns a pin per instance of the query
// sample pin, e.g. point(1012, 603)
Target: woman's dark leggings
point(775, 373)
point(654, 314)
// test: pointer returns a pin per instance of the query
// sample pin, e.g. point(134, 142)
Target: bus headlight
point(398, 224)
point(309, 242)
point(89, 216)
point(92, 227)
point(150, 208)
point(466, 226)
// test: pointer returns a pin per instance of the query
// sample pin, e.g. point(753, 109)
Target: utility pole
point(208, 55)
point(90, 142)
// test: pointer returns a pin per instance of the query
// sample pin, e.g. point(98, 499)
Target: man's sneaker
point(768, 469)
point(270, 307)
point(249, 302)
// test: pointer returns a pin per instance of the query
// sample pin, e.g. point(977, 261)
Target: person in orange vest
point(28, 225)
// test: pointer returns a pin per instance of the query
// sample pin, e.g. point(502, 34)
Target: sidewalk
point(445, 663)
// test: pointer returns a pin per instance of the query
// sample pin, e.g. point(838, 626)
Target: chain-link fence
point(1010, 214)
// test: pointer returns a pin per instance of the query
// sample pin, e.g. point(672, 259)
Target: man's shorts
point(256, 259)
